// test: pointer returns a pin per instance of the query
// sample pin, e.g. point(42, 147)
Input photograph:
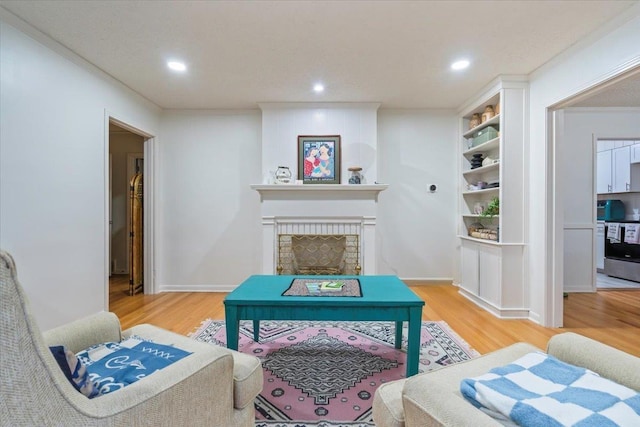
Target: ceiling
point(241, 53)
point(625, 93)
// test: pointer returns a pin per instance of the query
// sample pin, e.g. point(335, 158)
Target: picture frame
point(319, 159)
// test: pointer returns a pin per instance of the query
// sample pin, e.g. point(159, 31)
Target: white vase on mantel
point(283, 175)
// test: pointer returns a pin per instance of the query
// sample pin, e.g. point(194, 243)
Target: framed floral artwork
point(319, 159)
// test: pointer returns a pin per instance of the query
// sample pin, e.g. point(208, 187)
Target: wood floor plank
point(611, 316)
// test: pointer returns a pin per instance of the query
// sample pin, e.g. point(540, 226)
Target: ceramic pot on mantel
point(356, 177)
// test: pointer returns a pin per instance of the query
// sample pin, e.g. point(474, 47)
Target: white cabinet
point(481, 271)
point(492, 277)
point(617, 167)
point(635, 153)
point(621, 169)
point(491, 270)
point(470, 268)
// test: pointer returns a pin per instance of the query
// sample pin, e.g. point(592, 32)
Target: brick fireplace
point(318, 254)
point(331, 218)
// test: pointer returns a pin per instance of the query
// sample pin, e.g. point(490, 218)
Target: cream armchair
point(211, 387)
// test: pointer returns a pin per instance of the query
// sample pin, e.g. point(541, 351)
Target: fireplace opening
point(318, 254)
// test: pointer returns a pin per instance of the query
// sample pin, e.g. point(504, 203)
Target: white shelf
point(489, 242)
point(492, 144)
point(474, 239)
point(495, 120)
point(481, 170)
point(484, 191)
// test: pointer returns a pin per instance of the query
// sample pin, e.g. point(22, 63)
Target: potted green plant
point(493, 208)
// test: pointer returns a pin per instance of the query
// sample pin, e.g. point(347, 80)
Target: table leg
point(398, 343)
point(413, 345)
point(232, 323)
point(256, 330)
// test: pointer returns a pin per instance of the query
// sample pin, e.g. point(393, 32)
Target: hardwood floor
point(611, 316)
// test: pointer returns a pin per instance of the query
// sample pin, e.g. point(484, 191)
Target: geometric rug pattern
point(325, 373)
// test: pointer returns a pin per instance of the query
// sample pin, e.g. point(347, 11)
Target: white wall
point(282, 123)
point(210, 218)
point(416, 228)
point(52, 172)
point(611, 50)
point(209, 226)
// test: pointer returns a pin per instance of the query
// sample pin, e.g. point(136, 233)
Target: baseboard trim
point(196, 288)
point(572, 289)
point(501, 313)
point(228, 288)
point(426, 280)
point(534, 317)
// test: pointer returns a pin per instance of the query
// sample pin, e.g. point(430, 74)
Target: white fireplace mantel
point(316, 204)
point(319, 191)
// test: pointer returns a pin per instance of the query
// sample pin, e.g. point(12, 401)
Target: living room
point(204, 231)
point(62, 241)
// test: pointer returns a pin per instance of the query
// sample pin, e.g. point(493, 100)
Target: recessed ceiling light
point(177, 66)
point(460, 65)
point(318, 87)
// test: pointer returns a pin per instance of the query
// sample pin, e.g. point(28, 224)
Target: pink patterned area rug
point(324, 374)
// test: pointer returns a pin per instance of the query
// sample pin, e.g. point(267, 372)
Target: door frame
point(148, 202)
point(554, 300)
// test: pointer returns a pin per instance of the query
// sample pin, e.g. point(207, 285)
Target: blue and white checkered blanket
point(540, 390)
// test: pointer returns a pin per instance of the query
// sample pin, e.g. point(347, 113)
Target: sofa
point(434, 398)
point(212, 386)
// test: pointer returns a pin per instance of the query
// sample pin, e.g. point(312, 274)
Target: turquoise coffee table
point(383, 298)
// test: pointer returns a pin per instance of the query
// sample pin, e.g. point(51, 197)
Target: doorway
point(130, 154)
point(126, 159)
point(574, 207)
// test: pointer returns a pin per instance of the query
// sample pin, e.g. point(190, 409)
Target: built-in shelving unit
point(491, 272)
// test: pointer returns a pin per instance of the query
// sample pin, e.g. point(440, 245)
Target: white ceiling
point(625, 93)
point(240, 53)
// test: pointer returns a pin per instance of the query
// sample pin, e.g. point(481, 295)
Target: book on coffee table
point(313, 287)
point(331, 286)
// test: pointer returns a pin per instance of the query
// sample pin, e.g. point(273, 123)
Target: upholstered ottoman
point(434, 398)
